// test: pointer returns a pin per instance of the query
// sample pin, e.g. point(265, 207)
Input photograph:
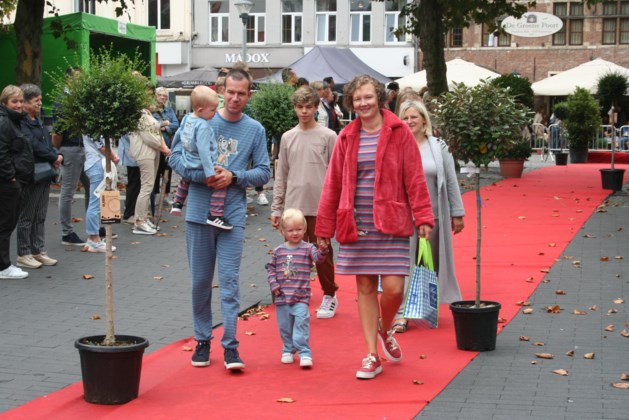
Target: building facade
point(587, 33)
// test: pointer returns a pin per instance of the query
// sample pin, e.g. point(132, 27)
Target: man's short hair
point(393, 86)
point(30, 91)
point(305, 95)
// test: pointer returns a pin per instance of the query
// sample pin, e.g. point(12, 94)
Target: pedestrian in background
point(374, 191)
point(16, 170)
point(289, 279)
point(31, 225)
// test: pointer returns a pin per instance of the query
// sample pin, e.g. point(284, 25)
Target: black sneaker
point(175, 210)
point(233, 360)
point(103, 233)
point(72, 239)
point(219, 222)
point(201, 356)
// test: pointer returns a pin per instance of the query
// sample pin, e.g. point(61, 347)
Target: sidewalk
point(44, 314)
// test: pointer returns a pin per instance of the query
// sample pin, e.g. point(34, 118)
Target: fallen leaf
point(556, 198)
point(174, 226)
point(524, 338)
point(544, 355)
point(560, 292)
point(95, 317)
point(262, 239)
point(621, 385)
point(593, 308)
point(527, 311)
point(624, 333)
point(136, 243)
point(604, 259)
point(570, 353)
point(250, 333)
point(502, 320)
point(186, 348)
point(578, 211)
point(561, 372)
point(624, 376)
point(521, 217)
point(285, 400)
point(612, 311)
point(588, 356)
point(423, 356)
point(619, 301)
point(539, 344)
point(544, 270)
point(523, 303)
point(576, 263)
point(263, 317)
point(579, 312)
point(158, 278)
point(161, 234)
point(88, 276)
point(253, 285)
point(76, 220)
point(555, 309)
point(619, 257)
point(533, 362)
point(214, 285)
point(609, 328)
point(529, 280)
point(417, 382)
point(166, 265)
point(587, 235)
point(552, 245)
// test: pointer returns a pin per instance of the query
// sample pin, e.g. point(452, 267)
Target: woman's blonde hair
point(419, 107)
point(9, 92)
point(292, 215)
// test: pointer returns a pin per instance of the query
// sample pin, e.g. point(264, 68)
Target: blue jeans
point(92, 214)
point(294, 323)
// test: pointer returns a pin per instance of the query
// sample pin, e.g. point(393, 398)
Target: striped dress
point(374, 252)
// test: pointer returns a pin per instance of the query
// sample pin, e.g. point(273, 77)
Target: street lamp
point(244, 7)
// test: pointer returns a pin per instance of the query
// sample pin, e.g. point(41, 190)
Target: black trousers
point(11, 193)
point(158, 179)
point(133, 189)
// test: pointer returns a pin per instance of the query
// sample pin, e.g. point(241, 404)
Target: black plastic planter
point(561, 158)
point(475, 328)
point(111, 374)
point(612, 179)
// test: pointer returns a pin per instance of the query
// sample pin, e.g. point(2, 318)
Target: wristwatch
point(234, 178)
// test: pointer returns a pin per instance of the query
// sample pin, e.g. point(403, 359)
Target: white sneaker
point(100, 246)
point(287, 358)
point(262, 200)
point(12, 272)
point(151, 224)
point(45, 259)
point(328, 307)
point(27, 261)
point(144, 229)
point(305, 362)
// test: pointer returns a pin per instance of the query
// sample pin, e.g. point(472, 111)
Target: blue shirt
point(200, 150)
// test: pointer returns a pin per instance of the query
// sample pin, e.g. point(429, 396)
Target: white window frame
point(218, 19)
point(256, 22)
point(91, 6)
point(387, 31)
point(324, 17)
point(158, 25)
point(293, 27)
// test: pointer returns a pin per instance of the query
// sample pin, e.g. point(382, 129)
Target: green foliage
point(6, 8)
point(273, 108)
point(519, 150)
point(561, 110)
point(584, 118)
point(105, 99)
point(611, 87)
point(520, 88)
point(480, 122)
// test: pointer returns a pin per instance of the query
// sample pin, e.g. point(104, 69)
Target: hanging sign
point(532, 25)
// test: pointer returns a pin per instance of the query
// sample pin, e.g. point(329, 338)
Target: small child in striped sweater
point(289, 278)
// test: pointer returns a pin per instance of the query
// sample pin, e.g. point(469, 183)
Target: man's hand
point(58, 162)
point(222, 179)
point(457, 224)
point(275, 221)
point(323, 243)
point(114, 158)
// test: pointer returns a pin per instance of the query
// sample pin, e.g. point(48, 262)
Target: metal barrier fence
point(555, 138)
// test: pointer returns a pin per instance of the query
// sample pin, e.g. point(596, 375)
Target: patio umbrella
point(458, 71)
point(202, 76)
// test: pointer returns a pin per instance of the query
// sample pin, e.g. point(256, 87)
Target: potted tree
point(480, 123)
point(512, 158)
point(582, 123)
point(106, 100)
point(557, 134)
point(611, 88)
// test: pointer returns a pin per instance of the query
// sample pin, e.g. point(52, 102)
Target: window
point(219, 22)
point(256, 24)
point(616, 23)
point(455, 37)
point(325, 12)
point(572, 18)
point(292, 17)
point(159, 13)
point(85, 6)
point(392, 20)
point(494, 39)
point(360, 21)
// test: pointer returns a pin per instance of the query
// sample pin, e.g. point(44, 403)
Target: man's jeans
point(71, 172)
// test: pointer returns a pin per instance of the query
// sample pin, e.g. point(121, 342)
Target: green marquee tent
point(82, 32)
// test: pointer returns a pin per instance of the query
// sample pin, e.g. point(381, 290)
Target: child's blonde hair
point(202, 96)
point(292, 215)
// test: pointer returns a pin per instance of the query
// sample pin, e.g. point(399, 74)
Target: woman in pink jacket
point(373, 194)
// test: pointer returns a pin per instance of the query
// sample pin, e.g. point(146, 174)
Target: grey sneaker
point(72, 239)
point(201, 356)
point(233, 360)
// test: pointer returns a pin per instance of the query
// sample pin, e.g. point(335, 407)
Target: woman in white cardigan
point(447, 205)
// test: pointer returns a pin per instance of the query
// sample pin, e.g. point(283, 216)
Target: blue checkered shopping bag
point(422, 297)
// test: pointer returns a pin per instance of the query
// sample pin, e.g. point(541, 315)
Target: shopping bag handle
point(424, 254)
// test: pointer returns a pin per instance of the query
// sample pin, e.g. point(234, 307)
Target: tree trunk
point(479, 230)
point(432, 44)
point(110, 337)
point(29, 21)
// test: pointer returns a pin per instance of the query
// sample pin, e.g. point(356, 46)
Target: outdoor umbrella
point(458, 71)
point(202, 76)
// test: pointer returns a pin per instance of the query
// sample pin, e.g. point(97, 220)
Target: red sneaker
point(371, 367)
point(390, 346)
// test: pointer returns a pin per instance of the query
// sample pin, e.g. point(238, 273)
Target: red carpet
point(526, 225)
point(606, 157)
